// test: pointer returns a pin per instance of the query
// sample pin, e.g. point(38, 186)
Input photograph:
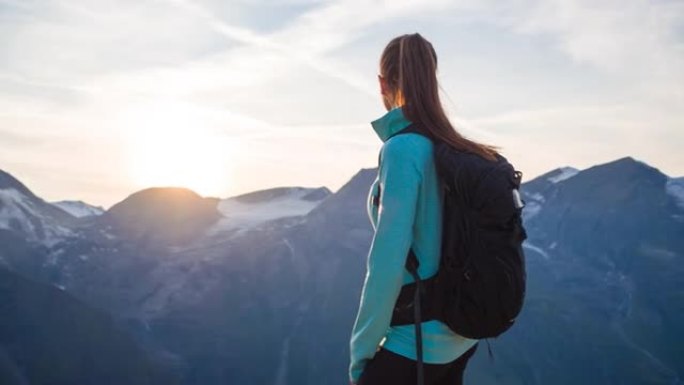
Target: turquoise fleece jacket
point(410, 215)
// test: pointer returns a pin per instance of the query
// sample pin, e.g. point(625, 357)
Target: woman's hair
point(409, 65)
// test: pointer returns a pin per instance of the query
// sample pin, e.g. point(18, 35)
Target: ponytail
point(409, 62)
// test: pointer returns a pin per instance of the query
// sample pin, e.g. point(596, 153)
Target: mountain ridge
point(603, 257)
point(78, 208)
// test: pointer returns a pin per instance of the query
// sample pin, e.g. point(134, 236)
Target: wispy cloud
point(639, 40)
point(86, 72)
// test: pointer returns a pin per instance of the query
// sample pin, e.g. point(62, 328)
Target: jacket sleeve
point(400, 178)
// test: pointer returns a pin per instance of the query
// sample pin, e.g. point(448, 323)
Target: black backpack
point(479, 288)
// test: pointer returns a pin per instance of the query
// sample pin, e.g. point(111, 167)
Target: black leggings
point(387, 368)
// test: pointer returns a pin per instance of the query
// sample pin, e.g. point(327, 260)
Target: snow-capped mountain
point(250, 210)
point(604, 258)
point(79, 209)
point(535, 192)
point(561, 174)
point(24, 213)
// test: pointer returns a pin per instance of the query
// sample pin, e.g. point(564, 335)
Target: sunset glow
point(169, 144)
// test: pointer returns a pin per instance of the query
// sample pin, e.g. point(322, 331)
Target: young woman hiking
point(408, 216)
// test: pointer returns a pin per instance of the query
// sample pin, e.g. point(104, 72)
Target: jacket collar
point(390, 123)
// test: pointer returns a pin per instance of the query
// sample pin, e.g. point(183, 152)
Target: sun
point(171, 143)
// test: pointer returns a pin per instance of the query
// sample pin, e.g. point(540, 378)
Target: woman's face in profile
point(385, 93)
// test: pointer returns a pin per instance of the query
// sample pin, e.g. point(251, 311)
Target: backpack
point(479, 288)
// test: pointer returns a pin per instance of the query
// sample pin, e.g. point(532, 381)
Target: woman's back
point(409, 216)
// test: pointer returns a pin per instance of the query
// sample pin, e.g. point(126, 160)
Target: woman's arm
point(400, 177)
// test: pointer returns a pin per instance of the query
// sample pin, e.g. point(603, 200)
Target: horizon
point(126, 196)
point(226, 98)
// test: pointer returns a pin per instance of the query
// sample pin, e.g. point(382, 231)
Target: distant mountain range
point(262, 288)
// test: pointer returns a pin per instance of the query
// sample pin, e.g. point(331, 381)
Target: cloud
point(639, 40)
point(581, 136)
point(15, 139)
point(84, 39)
point(310, 36)
point(303, 74)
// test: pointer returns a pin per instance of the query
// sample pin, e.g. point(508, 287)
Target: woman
point(408, 216)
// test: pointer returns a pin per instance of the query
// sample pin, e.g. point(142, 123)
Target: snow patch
point(282, 371)
point(19, 213)
point(242, 216)
point(563, 174)
point(530, 210)
point(11, 214)
point(289, 246)
point(533, 204)
point(538, 249)
point(107, 234)
point(675, 188)
point(79, 209)
point(538, 197)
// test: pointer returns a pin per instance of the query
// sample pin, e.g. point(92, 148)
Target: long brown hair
point(409, 64)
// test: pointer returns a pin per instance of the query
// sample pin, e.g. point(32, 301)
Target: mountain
point(279, 297)
point(544, 185)
point(248, 211)
point(560, 174)
point(283, 193)
point(79, 209)
point(47, 337)
point(622, 191)
point(8, 182)
point(262, 288)
point(22, 211)
point(161, 215)
point(605, 298)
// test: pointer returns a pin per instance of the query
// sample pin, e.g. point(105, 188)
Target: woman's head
point(409, 60)
point(408, 78)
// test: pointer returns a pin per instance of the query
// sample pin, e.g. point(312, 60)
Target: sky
point(99, 99)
